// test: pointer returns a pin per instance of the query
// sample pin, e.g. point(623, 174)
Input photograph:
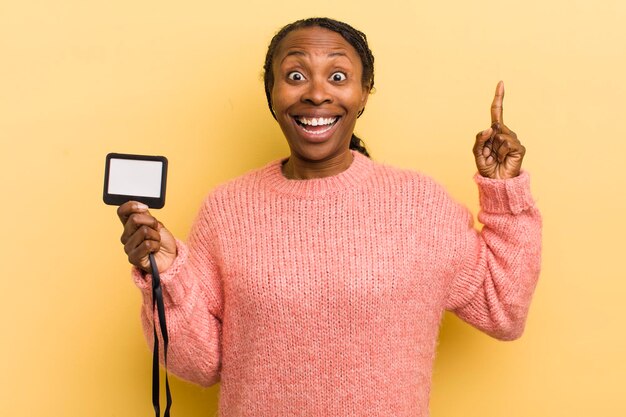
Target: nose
point(317, 93)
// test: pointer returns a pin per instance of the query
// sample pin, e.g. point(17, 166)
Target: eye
point(295, 76)
point(338, 76)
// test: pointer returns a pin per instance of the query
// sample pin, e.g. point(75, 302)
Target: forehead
point(315, 40)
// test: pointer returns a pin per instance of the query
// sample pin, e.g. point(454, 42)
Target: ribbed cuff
point(505, 196)
point(173, 289)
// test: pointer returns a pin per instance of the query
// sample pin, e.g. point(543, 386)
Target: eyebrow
point(297, 52)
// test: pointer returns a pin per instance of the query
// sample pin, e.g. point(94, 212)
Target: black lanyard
point(157, 298)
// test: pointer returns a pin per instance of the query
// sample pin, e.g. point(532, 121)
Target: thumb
point(481, 139)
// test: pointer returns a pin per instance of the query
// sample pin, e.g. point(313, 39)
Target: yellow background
point(79, 79)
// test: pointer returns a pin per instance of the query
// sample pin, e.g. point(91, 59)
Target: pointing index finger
point(496, 105)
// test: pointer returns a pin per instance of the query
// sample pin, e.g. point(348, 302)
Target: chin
point(319, 151)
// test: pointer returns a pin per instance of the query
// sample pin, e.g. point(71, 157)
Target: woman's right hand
point(144, 234)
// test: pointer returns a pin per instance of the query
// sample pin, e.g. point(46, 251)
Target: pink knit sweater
point(323, 297)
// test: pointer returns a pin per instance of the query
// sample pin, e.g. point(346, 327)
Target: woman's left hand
point(497, 150)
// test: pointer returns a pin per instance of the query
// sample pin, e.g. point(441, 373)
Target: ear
point(366, 94)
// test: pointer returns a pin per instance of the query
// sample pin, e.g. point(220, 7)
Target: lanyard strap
point(157, 299)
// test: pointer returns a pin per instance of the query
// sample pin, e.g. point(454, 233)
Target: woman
point(315, 285)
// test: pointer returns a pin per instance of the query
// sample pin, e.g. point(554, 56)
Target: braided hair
point(354, 37)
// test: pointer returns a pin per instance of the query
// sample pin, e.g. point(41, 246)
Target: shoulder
point(241, 184)
point(404, 180)
point(239, 189)
point(425, 196)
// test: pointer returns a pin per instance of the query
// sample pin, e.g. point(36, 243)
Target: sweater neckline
point(349, 179)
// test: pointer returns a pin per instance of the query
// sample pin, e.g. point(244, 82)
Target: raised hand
point(497, 150)
point(144, 234)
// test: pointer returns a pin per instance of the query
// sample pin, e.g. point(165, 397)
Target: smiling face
point(317, 93)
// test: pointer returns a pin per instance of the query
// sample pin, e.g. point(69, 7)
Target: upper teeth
point(318, 121)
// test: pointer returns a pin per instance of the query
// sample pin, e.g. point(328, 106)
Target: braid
point(354, 37)
point(357, 144)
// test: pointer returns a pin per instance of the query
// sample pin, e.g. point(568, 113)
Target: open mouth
point(316, 125)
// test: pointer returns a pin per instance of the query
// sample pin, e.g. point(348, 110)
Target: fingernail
point(486, 132)
point(141, 206)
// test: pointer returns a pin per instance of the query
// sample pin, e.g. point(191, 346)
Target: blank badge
point(135, 177)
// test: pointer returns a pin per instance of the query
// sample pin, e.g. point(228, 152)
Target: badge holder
point(143, 178)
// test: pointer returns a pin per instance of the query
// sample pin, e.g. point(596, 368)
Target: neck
point(301, 169)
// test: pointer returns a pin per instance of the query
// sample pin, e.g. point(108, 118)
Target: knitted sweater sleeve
point(193, 306)
point(494, 284)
